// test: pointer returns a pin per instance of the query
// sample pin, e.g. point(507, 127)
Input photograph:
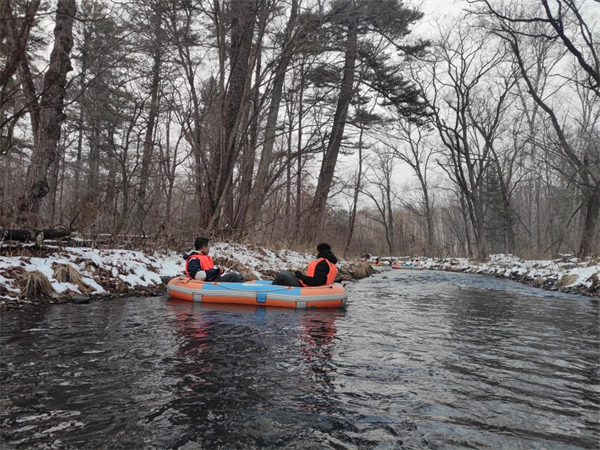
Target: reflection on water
point(419, 360)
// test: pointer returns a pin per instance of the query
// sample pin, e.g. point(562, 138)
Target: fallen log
point(32, 235)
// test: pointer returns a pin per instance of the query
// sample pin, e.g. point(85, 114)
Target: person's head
point(322, 247)
point(201, 245)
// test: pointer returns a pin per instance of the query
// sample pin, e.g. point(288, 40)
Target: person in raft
point(200, 266)
point(321, 271)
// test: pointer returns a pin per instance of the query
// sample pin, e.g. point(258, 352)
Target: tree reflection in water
point(234, 378)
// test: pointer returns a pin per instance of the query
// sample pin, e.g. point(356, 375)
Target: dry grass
point(360, 270)
point(567, 280)
point(595, 287)
point(247, 273)
point(65, 273)
point(269, 274)
point(353, 271)
point(36, 285)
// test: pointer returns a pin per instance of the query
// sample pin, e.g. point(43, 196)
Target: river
point(418, 360)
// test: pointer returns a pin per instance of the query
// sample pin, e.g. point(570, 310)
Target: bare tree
point(412, 145)
point(381, 179)
point(566, 23)
point(47, 115)
point(287, 52)
point(353, 20)
point(458, 84)
point(243, 19)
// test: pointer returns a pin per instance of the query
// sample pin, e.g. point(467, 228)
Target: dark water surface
point(418, 360)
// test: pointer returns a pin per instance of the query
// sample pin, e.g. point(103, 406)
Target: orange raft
point(397, 265)
point(258, 292)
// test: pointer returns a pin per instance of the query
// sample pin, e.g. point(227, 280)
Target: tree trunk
point(51, 109)
point(77, 174)
point(93, 181)
point(357, 188)
point(299, 162)
point(337, 133)
point(7, 174)
point(288, 176)
point(28, 235)
point(465, 215)
point(80, 121)
point(260, 182)
point(17, 39)
point(242, 29)
point(111, 193)
point(431, 241)
point(479, 226)
point(149, 137)
point(586, 247)
point(249, 152)
point(54, 180)
point(389, 232)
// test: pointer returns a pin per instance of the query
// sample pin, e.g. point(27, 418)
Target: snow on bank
point(108, 271)
point(567, 274)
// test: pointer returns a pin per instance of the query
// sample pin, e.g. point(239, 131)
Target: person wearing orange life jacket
point(321, 272)
point(200, 266)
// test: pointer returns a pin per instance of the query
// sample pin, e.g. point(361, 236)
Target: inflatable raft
point(407, 267)
point(259, 292)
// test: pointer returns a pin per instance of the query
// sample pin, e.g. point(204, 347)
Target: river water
point(428, 360)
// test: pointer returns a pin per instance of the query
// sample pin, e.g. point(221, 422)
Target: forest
point(368, 124)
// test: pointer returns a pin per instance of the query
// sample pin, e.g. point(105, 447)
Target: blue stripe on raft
point(261, 282)
point(263, 287)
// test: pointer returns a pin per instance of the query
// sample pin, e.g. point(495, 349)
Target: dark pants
point(286, 279)
point(231, 277)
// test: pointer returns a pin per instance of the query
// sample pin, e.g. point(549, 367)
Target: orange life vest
point(206, 262)
point(312, 266)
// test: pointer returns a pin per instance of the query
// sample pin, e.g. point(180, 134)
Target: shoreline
point(567, 274)
point(84, 274)
point(107, 274)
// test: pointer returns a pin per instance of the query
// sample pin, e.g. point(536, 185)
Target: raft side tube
point(261, 293)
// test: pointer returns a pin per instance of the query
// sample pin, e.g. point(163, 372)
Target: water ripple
point(425, 360)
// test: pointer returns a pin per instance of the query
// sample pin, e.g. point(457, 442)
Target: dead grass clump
point(66, 273)
point(14, 273)
point(595, 280)
point(269, 274)
point(247, 273)
point(36, 285)
point(343, 274)
point(121, 287)
point(360, 270)
point(221, 261)
point(567, 280)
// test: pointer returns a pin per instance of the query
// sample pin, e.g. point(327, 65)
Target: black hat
point(323, 246)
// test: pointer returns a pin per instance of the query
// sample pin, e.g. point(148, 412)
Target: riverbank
point(565, 274)
point(33, 275)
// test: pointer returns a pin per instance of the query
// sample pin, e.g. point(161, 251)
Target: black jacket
point(321, 271)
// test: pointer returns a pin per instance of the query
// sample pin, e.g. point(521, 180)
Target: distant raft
point(260, 292)
point(407, 266)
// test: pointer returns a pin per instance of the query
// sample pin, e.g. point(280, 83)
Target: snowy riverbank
point(76, 274)
point(566, 274)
